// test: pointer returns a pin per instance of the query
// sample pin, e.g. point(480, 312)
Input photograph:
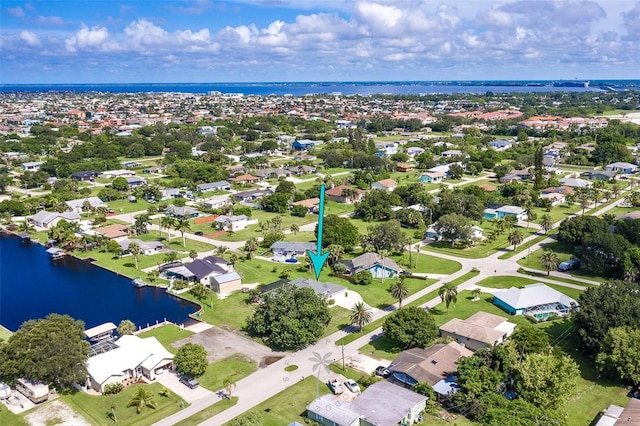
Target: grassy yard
point(176, 242)
point(167, 334)
point(122, 265)
point(544, 275)
point(340, 318)
point(523, 247)
point(8, 418)
point(208, 412)
point(289, 405)
point(97, 409)
point(236, 367)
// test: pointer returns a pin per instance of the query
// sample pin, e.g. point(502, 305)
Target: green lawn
point(122, 265)
point(230, 313)
point(619, 211)
point(289, 405)
point(236, 367)
point(167, 334)
point(8, 418)
point(544, 275)
point(97, 409)
point(208, 412)
point(523, 247)
point(340, 318)
point(176, 242)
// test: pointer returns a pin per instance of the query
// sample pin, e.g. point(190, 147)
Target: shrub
point(363, 278)
point(113, 388)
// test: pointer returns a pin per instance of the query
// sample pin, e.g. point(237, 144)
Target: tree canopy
point(52, 350)
point(411, 327)
point(386, 236)
point(290, 318)
point(191, 359)
point(340, 231)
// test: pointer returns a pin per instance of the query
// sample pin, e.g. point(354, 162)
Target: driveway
point(172, 382)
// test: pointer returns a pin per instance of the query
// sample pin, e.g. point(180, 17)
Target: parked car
point(132, 199)
point(199, 233)
point(189, 381)
point(569, 265)
point(352, 385)
point(335, 386)
point(383, 371)
point(406, 273)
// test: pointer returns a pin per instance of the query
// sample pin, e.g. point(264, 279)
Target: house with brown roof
point(385, 185)
point(312, 204)
point(480, 330)
point(404, 167)
point(114, 232)
point(437, 362)
point(246, 178)
point(344, 194)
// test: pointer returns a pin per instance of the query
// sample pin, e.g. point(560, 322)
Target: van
point(569, 265)
point(132, 199)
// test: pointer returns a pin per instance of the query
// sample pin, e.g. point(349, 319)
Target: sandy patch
point(55, 413)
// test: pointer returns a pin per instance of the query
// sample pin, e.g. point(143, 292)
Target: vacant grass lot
point(166, 335)
point(235, 367)
point(208, 412)
point(97, 409)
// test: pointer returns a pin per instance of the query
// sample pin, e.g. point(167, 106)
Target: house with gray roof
point(622, 167)
point(77, 205)
point(45, 219)
point(575, 182)
point(537, 300)
point(325, 290)
point(232, 223)
point(283, 250)
point(213, 272)
point(480, 330)
point(182, 212)
point(221, 185)
point(378, 266)
point(146, 247)
point(381, 404)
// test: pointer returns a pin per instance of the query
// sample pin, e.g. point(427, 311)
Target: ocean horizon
point(341, 87)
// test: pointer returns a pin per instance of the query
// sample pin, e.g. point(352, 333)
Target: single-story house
point(131, 357)
point(500, 144)
point(508, 178)
point(203, 269)
point(381, 404)
point(182, 212)
point(575, 182)
point(168, 193)
point(253, 195)
point(272, 173)
point(247, 178)
point(146, 247)
point(626, 168)
point(312, 204)
point(32, 166)
point(153, 169)
point(432, 177)
point(110, 174)
point(537, 300)
point(477, 233)
point(232, 223)
point(338, 194)
point(444, 168)
point(385, 185)
point(302, 145)
point(217, 202)
point(412, 151)
point(130, 164)
point(404, 167)
point(325, 290)
point(301, 170)
point(556, 199)
point(605, 175)
point(504, 211)
point(135, 181)
point(480, 330)
point(214, 186)
point(378, 266)
point(564, 190)
point(452, 153)
point(77, 205)
point(45, 219)
point(85, 175)
point(226, 283)
point(283, 250)
point(430, 365)
point(113, 232)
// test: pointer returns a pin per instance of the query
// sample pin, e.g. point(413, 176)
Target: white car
point(352, 385)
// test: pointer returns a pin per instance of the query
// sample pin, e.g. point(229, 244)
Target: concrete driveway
point(172, 382)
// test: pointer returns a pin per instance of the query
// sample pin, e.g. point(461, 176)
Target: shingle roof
point(432, 364)
point(207, 266)
point(369, 260)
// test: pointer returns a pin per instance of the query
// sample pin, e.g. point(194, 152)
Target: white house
point(626, 168)
point(131, 358)
point(385, 185)
point(216, 202)
point(232, 223)
point(32, 166)
point(283, 250)
point(146, 247)
point(76, 205)
point(45, 219)
point(480, 330)
point(537, 300)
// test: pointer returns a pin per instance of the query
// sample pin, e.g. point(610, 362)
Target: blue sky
point(137, 41)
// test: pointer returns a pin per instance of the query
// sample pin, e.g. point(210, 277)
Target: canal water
point(33, 286)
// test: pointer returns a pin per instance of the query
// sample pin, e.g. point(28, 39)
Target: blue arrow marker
point(318, 258)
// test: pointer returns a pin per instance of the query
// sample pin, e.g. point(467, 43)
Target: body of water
point(33, 286)
point(346, 88)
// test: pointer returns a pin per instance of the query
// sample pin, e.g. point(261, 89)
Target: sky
point(190, 41)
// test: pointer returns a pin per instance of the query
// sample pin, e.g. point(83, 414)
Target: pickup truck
point(335, 386)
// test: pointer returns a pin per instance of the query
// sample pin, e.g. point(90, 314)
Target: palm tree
point(233, 259)
point(86, 207)
point(448, 294)
point(383, 254)
point(531, 213)
point(295, 229)
point(167, 223)
point(515, 237)
point(549, 260)
point(26, 227)
point(476, 293)
point(361, 315)
point(547, 223)
point(134, 249)
point(141, 399)
point(250, 246)
point(193, 254)
point(400, 291)
point(615, 189)
point(182, 225)
point(337, 251)
point(221, 250)
point(229, 384)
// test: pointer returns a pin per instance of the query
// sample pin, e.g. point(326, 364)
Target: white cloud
point(88, 39)
point(50, 20)
point(16, 12)
point(30, 38)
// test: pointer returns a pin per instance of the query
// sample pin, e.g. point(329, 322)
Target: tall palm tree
point(361, 315)
point(515, 237)
point(193, 254)
point(383, 254)
point(182, 225)
point(229, 384)
point(295, 229)
point(135, 250)
point(400, 291)
point(549, 260)
point(448, 294)
point(141, 399)
point(250, 246)
point(167, 223)
point(337, 251)
point(547, 223)
point(25, 226)
point(221, 250)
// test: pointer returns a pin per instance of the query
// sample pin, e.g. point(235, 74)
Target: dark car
point(383, 371)
point(189, 381)
point(199, 233)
